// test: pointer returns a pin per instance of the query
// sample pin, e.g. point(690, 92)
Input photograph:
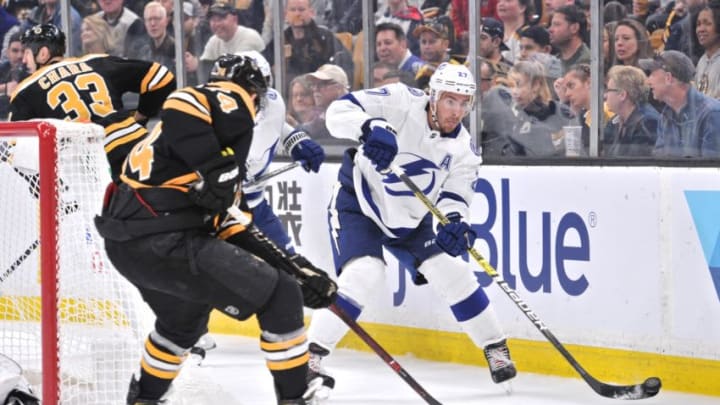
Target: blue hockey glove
point(380, 143)
point(455, 237)
point(305, 150)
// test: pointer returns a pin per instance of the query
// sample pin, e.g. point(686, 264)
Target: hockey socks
point(161, 362)
point(287, 358)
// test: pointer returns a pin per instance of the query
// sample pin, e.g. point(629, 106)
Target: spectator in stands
point(568, 28)
point(385, 73)
point(391, 47)
point(405, 16)
point(608, 45)
point(576, 92)
point(614, 11)
point(48, 12)
point(193, 44)
point(681, 30)
point(329, 83)
point(434, 36)
point(156, 45)
point(552, 5)
point(125, 24)
point(631, 42)
point(538, 125)
point(228, 35)
point(345, 16)
point(707, 78)
point(96, 35)
point(535, 45)
point(12, 72)
point(8, 20)
point(491, 45)
point(690, 122)
point(514, 15)
point(633, 129)
point(641, 10)
point(301, 108)
point(308, 45)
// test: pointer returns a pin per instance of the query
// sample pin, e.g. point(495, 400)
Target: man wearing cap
point(491, 45)
point(690, 121)
point(228, 35)
point(434, 37)
point(329, 83)
point(535, 46)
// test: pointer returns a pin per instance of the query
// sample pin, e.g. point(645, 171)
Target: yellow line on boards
point(686, 374)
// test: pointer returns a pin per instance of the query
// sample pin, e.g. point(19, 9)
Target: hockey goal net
point(66, 316)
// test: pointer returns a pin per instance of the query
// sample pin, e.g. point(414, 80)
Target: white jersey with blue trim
point(270, 127)
point(444, 166)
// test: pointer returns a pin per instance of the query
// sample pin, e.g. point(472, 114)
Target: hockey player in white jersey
point(372, 208)
point(271, 132)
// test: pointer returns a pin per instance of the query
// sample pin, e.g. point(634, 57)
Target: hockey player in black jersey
point(88, 89)
point(166, 230)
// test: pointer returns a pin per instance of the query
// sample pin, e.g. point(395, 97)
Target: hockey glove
point(218, 183)
point(318, 289)
point(455, 237)
point(304, 149)
point(380, 143)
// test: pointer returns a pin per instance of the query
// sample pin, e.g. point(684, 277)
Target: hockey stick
point(649, 388)
point(271, 174)
point(300, 274)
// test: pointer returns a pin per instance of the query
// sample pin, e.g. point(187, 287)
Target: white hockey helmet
point(452, 78)
point(261, 62)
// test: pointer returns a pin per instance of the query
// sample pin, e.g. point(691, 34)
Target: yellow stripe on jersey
point(191, 102)
point(235, 88)
point(230, 231)
point(288, 364)
point(145, 83)
point(122, 132)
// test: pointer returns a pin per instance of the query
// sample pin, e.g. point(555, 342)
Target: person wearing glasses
point(633, 129)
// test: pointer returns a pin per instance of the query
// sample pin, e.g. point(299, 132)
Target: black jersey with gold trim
point(196, 124)
point(90, 89)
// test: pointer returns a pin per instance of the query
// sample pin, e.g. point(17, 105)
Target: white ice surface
point(363, 378)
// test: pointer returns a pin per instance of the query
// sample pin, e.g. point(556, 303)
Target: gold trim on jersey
point(236, 88)
point(191, 102)
point(157, 77)
point(122, 132)
point(180, 183)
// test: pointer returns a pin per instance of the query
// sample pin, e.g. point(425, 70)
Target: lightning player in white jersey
point(371, 210)
point(270, 133)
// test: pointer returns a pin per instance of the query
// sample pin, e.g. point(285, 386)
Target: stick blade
point(647, 389)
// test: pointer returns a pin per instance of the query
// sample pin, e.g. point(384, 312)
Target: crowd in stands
point(660, 73)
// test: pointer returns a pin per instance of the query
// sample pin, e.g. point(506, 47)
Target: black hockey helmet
point(241, 70)
point(48, 35)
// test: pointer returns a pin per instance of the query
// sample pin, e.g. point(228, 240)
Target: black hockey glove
point(218, 183)
point(318, 289)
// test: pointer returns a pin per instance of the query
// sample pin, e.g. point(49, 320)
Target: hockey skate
point(134, 393)
point(310, 395)
point(198, 352)
point(316, 371)
point(501, 366)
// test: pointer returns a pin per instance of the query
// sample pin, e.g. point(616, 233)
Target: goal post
point(71, 321)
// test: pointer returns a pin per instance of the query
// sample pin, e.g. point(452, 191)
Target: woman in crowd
point(514, 14)
point(96, 35)
point(707, 30)
point(633, 129)
point(539, 119)
point(631, 42)
point(301, 108)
